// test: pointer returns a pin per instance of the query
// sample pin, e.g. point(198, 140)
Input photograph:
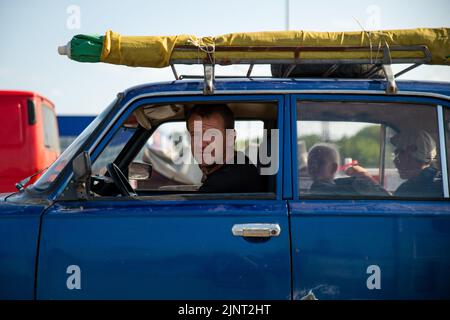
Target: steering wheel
point(120, 180)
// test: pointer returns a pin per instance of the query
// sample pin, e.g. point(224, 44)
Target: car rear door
point(346, 247)
point(188, 248)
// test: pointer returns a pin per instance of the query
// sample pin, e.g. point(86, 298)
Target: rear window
point(351, 149)
point(50, 127)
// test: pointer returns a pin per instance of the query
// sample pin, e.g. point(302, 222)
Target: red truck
point(29, 139)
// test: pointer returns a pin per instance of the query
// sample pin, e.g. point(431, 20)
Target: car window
point(50, 128)
point(153, 153)
point(348, 150)
point(115, 146)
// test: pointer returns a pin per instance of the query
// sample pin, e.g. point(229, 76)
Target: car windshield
point(55, 169)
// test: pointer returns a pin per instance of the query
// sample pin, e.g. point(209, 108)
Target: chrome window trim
point(443, 149)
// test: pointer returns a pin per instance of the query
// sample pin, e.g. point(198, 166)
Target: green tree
point(310, 140)
point(364, 146)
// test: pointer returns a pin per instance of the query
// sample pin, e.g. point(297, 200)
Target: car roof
point(262, 85)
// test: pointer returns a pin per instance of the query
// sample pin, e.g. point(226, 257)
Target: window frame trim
point(47, 108)
point(443, 149)
point(406, 99)
point(106, 135)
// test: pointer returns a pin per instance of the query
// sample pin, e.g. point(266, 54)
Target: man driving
point(211, 128)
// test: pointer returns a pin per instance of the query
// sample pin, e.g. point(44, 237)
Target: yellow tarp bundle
point(157, 51)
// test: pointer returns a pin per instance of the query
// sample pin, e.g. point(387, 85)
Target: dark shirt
point(234, 178)
point(347, 187)
point(334, 187)
point(427, 184)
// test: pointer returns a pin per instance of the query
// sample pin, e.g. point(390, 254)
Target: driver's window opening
point(349, 149)
point(153, 150)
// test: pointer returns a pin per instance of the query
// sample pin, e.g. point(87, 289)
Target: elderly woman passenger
point(415, 159)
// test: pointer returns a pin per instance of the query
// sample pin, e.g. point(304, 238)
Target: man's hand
point(362, 176)
point(360, 172)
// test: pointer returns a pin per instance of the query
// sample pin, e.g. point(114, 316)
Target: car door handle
point(264, 230)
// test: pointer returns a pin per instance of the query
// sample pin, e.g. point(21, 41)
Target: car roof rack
point(380, 62)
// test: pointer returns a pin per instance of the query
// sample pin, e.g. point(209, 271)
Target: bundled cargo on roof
point(161, 51)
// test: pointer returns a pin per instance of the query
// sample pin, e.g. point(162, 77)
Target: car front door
point(153, 248)
point(367, 245)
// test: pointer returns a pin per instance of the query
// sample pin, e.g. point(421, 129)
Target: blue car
point(117, 216)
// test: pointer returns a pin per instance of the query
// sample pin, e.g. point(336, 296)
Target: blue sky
point(31, 31)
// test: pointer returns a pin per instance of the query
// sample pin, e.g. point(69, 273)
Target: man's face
point(407, 166)
point(208, 139)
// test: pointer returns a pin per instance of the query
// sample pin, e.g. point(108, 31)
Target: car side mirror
point(139, 171)
point(82, 171)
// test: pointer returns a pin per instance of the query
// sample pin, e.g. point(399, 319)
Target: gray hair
point(319, 154)
point(426, 150)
